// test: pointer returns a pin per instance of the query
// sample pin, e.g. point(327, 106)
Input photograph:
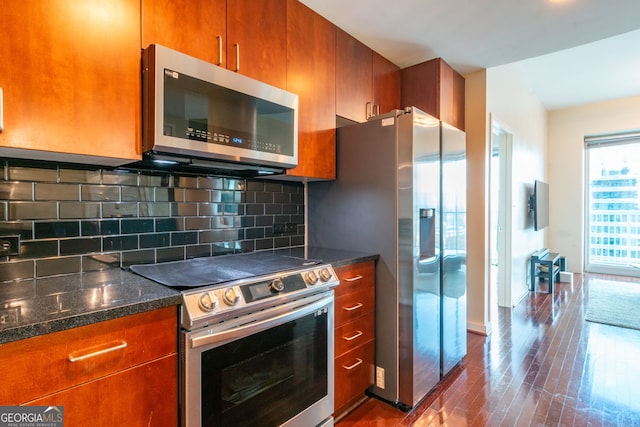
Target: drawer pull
point(353, 279)
point(356, 364)
point(353, 337)
point(355, 307)
point(119, 345)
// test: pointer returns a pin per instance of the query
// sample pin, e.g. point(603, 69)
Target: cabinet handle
point(219, 50)
point(355, 307)
point(376, 110)
point(353, 337)
point(367, 110)
point(1, 111)
point(119, 345)
point(350, 367)
point(237, 46)
point(353, 279)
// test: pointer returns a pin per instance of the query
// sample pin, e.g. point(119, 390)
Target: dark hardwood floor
point(543, 365)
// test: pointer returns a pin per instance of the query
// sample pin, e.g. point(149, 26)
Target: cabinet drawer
point(354, 334)
point(354, 305)
point(355, 276)
point(353, 375)
point(45, 364)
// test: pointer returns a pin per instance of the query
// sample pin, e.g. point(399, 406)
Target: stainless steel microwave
point(200, 115)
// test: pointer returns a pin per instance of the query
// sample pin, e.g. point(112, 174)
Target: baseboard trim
point(479, 328)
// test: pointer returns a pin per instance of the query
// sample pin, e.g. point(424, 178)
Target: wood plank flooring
point(543, 365)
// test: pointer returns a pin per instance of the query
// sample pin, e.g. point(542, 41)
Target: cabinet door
point(421, 87)
point(386, 85)
point(354, 373)
point(354, 79)
point(146, 395)
point(451, 96)
point(435, 88)
point(256, 39)
point(311, 74)
point(195, 27)
point(70, 74)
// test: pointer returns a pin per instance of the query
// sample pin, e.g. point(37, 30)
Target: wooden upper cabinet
point(247, 36)
point(386, 85)
point(198, 29)
point(70, 75)
point(311, 75)
point(256, 31)
point(367, 83)
point(437, 89)
point(354, 78)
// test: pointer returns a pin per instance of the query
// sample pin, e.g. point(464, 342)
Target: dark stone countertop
point(35, 307)
point(39, 306)
point(335, 257)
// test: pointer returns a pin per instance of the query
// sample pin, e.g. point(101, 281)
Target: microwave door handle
point(252, 328)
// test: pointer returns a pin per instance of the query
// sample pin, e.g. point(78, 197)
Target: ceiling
point(571, 52)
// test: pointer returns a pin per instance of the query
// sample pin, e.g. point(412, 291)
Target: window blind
point(618, 138)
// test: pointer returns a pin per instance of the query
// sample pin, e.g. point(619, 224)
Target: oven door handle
point(254, 327)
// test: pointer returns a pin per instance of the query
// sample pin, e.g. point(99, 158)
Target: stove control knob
point(208, 301)
point(310, 277)
point(231, 297)
point(276, 286)
point(325, 274)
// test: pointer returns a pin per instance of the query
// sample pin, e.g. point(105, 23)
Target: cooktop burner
point(198, 272)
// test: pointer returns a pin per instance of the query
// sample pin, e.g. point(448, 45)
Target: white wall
point(547, 146)
point(513, 104)
point(478, 312)
point(502, 93)
point(567, 128)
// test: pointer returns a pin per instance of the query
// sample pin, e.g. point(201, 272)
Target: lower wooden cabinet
point(354, 374)
point(354, 334)
point(117, 372)
point(146, 395)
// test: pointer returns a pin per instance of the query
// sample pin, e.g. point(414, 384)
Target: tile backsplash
point(75, 220)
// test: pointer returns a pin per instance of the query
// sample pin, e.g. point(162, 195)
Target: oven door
point(270, 368)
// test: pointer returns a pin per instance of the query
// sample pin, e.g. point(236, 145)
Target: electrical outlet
point(290, 227)
point(9, 245)
point(286, 228)
point(379, 377)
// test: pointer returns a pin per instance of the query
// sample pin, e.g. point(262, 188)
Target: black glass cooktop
point(207, 271)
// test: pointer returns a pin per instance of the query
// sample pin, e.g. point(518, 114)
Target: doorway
point(500, 214)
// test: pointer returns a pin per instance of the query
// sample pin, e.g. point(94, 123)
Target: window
point(612, 210)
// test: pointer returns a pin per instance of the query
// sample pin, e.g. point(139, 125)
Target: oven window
point(266, 378)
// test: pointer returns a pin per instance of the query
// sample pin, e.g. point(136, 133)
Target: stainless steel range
point(256, 341)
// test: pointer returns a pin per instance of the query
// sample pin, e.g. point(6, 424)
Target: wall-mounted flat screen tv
point(540, 205)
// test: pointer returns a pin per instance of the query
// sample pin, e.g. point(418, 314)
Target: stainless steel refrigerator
point(400, 192)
